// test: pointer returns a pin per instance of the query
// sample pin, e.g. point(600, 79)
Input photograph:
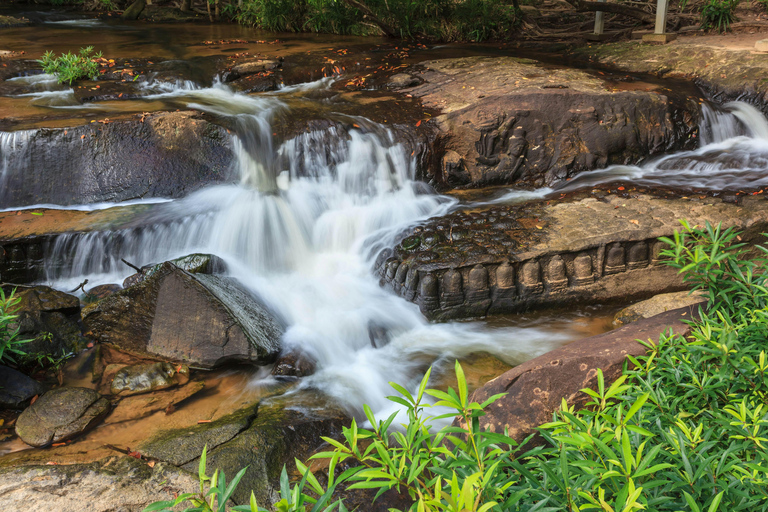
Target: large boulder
point(50, 319)
point(199, 319)
point(168, 154)
point(16, 389)
point(193, 263)
point(61, 414)
point(535, 389)
point(114, 484)
point(507, 120)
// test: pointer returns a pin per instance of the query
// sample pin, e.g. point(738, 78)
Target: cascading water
point(300, 229)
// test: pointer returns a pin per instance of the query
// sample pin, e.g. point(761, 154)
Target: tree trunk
point(134, 10)
point(632, 12)
point(186, 5)
point(210, 14)
point(368, 14)
point(217, 12)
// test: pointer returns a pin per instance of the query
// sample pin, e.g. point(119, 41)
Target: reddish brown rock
point(536, 388)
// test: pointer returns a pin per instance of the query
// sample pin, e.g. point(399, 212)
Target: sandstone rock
point(761, 45)
point(535, 388)
point(167, 154)
point(192, 263)
point(253, 66)
point(139, 406)
point(143, 378)
point(49, 318)
point(16, 389)
point(198, 319)
point(403, 80)
point(658, 304)
point(115, 484)
point(61, 414)
point(513, 122)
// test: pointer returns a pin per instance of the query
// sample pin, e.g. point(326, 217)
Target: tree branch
point(367, 13)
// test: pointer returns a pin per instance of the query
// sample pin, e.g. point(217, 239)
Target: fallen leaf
point(621, 188)
point(58, 444)
point(82, 136)
point(418, 123)
point(203, 421)
point(151, 463)
point(135, 455)
point(34, 398)
point(633, 221)
point(51, 463)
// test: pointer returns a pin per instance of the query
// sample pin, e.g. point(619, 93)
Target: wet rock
point(509, 123)
point(293, 364)
point(61, 414)
point(16, 389)
point(403, 80)
point(198, 319)
point(276, 436)
point(99, 292)
point(115, 484)
point(192, 263)
point(252, 66)
point(168, 154)
point(534, 389)
point(180, 446)
point(143, 378)
point(656, 305)
point(139, 406)
point(50, 319)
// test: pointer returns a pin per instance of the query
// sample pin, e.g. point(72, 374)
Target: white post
point(600, 21)
point(661, 16)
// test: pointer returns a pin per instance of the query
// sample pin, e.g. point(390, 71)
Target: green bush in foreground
point(9, 337)
point(684, 429)
point(718, 14)
point(71, 66)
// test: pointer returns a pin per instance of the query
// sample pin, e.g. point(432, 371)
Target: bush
point(718, 14)
point(9, 340)
point(684, 428)
point(70, 66)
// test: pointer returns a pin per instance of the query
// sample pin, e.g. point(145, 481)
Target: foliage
point(474, 20)
point(683, 429)
point(72, 66)
point(718, 14)
point(9, 337)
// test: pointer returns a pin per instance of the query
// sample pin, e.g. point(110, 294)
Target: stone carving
point(477, 286)
point(392, 265)
point(557, 279)
point(428, 294)
point(638, 256)
point(582, 270)
point(656, 249)
point(411, 283)
point(451, 294)
point(614, 260)
point(530, 278)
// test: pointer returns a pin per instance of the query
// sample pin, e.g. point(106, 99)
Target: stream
point(309, 214)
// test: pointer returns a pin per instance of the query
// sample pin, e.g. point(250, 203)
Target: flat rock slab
point(61, 414)
point(535, 389)
point(508, 120)
point(113, 484)
point(16, 389)
point(198, 319)
point(658, 304)
point(504, 259)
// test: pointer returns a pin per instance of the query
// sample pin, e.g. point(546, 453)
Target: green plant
point(718, 14)
point(9, 340)
point(69, 67)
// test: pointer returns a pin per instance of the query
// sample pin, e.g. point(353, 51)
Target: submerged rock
point(293, 364)
point(199, 319)
point(656, 305)
point(61, 414)
point(16, 389)
point(50, 319)
point(143, 378)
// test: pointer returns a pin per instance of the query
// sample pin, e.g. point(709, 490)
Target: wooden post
point(660, 34)
point(599, 21)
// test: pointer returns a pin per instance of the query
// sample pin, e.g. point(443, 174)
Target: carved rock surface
point(61, 414)
point(511, 121)
point(535, 388)
point(198, 319)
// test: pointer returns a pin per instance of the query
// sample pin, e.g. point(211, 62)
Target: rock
point(49, 318)
point(99, 292)
point(293, 364)
point(198, 319)
point(143, 378)
point(403, 80)
point(181, 446)
point(535, 389)
point(192, 263)
point(139, 406)
point(284, 428)
point(761, 45)
point(656, 305)
point(513, 122)
point(168, 154)
point(115, 484)
point(252, 66)
point(16, 389)
point(61, 414)
point(506, 259)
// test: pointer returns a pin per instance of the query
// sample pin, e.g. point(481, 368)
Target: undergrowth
point(683, 429)
point(69, 67)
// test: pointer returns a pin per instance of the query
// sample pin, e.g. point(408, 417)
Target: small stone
point(761, 45)
point(143, 378)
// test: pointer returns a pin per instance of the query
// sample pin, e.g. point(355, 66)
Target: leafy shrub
point(70, 66)
point(9, 337)
point(718, 14)
point(684, 428)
